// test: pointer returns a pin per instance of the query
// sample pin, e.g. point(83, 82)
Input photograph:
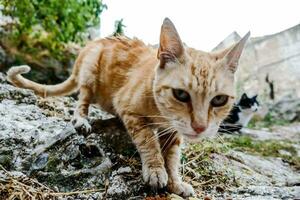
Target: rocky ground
point(42, 156)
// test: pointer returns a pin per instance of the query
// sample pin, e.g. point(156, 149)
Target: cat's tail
point(67, 87)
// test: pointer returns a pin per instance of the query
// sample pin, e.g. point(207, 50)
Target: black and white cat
point(240, 115)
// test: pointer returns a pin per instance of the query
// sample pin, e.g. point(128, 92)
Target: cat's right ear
point(170, 46)
point(233, 55)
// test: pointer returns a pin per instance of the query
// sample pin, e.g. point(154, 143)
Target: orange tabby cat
point(162, 96)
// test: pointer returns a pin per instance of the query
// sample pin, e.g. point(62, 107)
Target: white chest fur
point(244, 118)
point(246, 114)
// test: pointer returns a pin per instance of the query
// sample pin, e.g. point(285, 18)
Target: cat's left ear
point(233, 55)
point(254, 97)
point(244, 96)
point(170, 46)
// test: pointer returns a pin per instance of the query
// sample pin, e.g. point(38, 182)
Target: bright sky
point(201, 24)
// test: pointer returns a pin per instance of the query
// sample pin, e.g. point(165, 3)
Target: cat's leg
point(172, 153)
point(147, 144)
point(81, 112)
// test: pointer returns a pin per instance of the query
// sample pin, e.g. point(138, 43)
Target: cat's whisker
point(173, 137)
point(155, 116)
point(180, 125)
point(152, 139)
point(154, 123)
point(227, 131)
point(166, 142)
point(158, 135)
point(164, 131)
point(231, 125)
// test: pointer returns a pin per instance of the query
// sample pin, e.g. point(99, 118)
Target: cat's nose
point(198, 128)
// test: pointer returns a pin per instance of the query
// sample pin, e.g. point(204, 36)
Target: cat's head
point(249, 104)
point(194, 90)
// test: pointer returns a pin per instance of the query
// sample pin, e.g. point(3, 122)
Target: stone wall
point(277, 55)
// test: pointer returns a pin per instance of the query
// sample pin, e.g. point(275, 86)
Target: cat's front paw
point(181, 188)
point(81, 123)
point(156, 177)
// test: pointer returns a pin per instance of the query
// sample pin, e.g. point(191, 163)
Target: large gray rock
point(36, 138)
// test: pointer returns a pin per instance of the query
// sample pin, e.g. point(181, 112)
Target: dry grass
point(198, 168)
point(24, 188)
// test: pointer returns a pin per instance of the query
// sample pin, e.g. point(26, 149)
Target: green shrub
point(42, 28)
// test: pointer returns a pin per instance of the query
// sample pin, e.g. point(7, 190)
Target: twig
point(75, 192)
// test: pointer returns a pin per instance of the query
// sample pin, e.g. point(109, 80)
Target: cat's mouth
point(191, 136)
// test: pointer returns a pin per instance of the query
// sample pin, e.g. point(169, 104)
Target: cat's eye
point(181, 95)
point(219, 100)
